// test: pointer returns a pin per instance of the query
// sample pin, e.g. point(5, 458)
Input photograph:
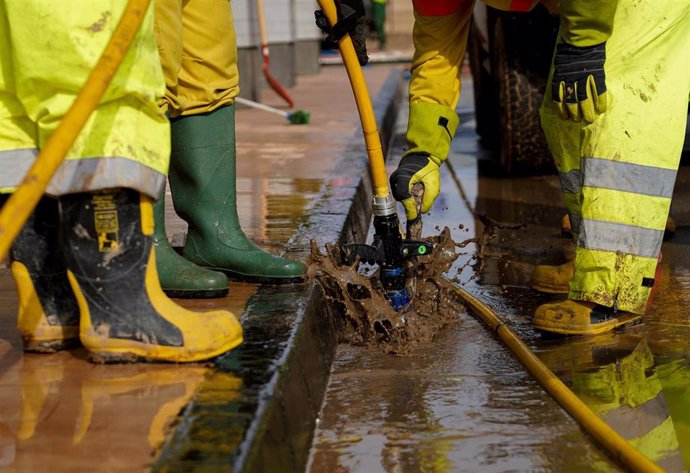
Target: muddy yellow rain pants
point(617, 174)
point(198, 49)
point(440, 35)
point(46, 54)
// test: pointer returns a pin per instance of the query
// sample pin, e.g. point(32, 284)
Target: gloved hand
point(351, 20)
point(416, 168)
point(578, 87)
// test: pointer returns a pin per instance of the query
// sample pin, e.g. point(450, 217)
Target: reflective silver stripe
point(92, 174)
point(570, 181)
point(83, 175)
point(629, 239)
point(628, 177)
point(639, 420)
point(15, 164)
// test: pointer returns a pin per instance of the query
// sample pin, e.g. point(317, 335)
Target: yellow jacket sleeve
point(587, 22)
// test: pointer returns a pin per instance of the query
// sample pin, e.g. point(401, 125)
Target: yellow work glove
point(430, 128)
point(578, 87)
point(416, 168)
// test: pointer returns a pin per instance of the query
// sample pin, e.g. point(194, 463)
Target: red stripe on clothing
point(520, 5)
point(437, 7)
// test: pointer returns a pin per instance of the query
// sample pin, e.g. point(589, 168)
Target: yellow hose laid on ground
point(19, 206)
point(617, 446)
point(366, 111)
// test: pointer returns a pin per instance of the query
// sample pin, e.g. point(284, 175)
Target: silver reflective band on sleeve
point(614, 237)
point(628, 177)
point(14, 165)
point(570, 181)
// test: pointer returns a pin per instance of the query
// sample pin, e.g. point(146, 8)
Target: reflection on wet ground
point(463, 403)
point(61, 413)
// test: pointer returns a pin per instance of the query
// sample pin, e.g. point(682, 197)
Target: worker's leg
point(119, 158)
point(629, 158)
point(203, 166)
point(47, 318)
point(178, 276)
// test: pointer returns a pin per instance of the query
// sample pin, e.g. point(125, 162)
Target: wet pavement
point(464, 403)
point(460, 404)
point(61, 413)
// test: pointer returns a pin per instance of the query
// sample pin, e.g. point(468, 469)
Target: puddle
point(462, 402)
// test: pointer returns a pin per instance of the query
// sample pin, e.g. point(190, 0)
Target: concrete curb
point(267, 424)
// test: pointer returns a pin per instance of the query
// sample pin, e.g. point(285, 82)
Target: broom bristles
point(300, 117)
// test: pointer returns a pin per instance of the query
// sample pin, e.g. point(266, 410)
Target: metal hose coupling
point(383, 206)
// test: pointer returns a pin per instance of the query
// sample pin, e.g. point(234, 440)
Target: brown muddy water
point(462, 402)
point(364, 315)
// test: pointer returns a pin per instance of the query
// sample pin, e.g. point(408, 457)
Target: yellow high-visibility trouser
point(198, 50)
point(617, 174)
point(47, 50)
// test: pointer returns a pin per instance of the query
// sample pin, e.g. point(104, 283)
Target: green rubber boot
point(203, 183)
point(179, 277)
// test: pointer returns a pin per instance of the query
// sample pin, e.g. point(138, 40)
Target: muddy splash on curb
point(364, 315)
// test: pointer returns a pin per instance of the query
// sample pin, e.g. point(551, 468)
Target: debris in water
point(363, 313)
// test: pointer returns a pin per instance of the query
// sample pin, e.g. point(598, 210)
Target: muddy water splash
point(364, 315)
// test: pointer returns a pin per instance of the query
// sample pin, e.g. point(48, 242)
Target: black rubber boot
point(48, 318)
point(124, 314)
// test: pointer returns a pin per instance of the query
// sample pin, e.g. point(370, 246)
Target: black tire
point(485, 107)
point(521, 50)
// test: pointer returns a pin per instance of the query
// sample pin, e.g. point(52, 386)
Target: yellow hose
point(617, 446)
point(366, 112)
point(19, 206)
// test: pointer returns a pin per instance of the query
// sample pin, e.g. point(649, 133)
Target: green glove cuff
point(430, 129)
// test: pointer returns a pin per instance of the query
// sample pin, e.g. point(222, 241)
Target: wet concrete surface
point(61, 413)
point(463, 403)
point(460, 404)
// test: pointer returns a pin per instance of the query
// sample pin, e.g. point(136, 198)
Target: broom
point(272, 81)
point(298, 117)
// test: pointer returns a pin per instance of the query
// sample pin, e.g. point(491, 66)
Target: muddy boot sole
point(125, 357)
point(48, 346)
point(201, 294)
point(550, 289)
point(566, 329)
point(266, 280)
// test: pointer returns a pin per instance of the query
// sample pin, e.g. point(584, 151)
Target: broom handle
point(262, 27)
point(261, 106)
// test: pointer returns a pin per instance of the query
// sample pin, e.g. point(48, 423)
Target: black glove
point(416, 168)
point(351, 21)
point(578, 87)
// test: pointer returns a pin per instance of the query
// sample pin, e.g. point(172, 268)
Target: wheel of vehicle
point(485, 108)
point(520, 60)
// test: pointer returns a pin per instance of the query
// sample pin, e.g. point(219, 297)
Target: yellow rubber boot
point(48, 317)
point(124, 314)
point(580, 318)
point(552, 279)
